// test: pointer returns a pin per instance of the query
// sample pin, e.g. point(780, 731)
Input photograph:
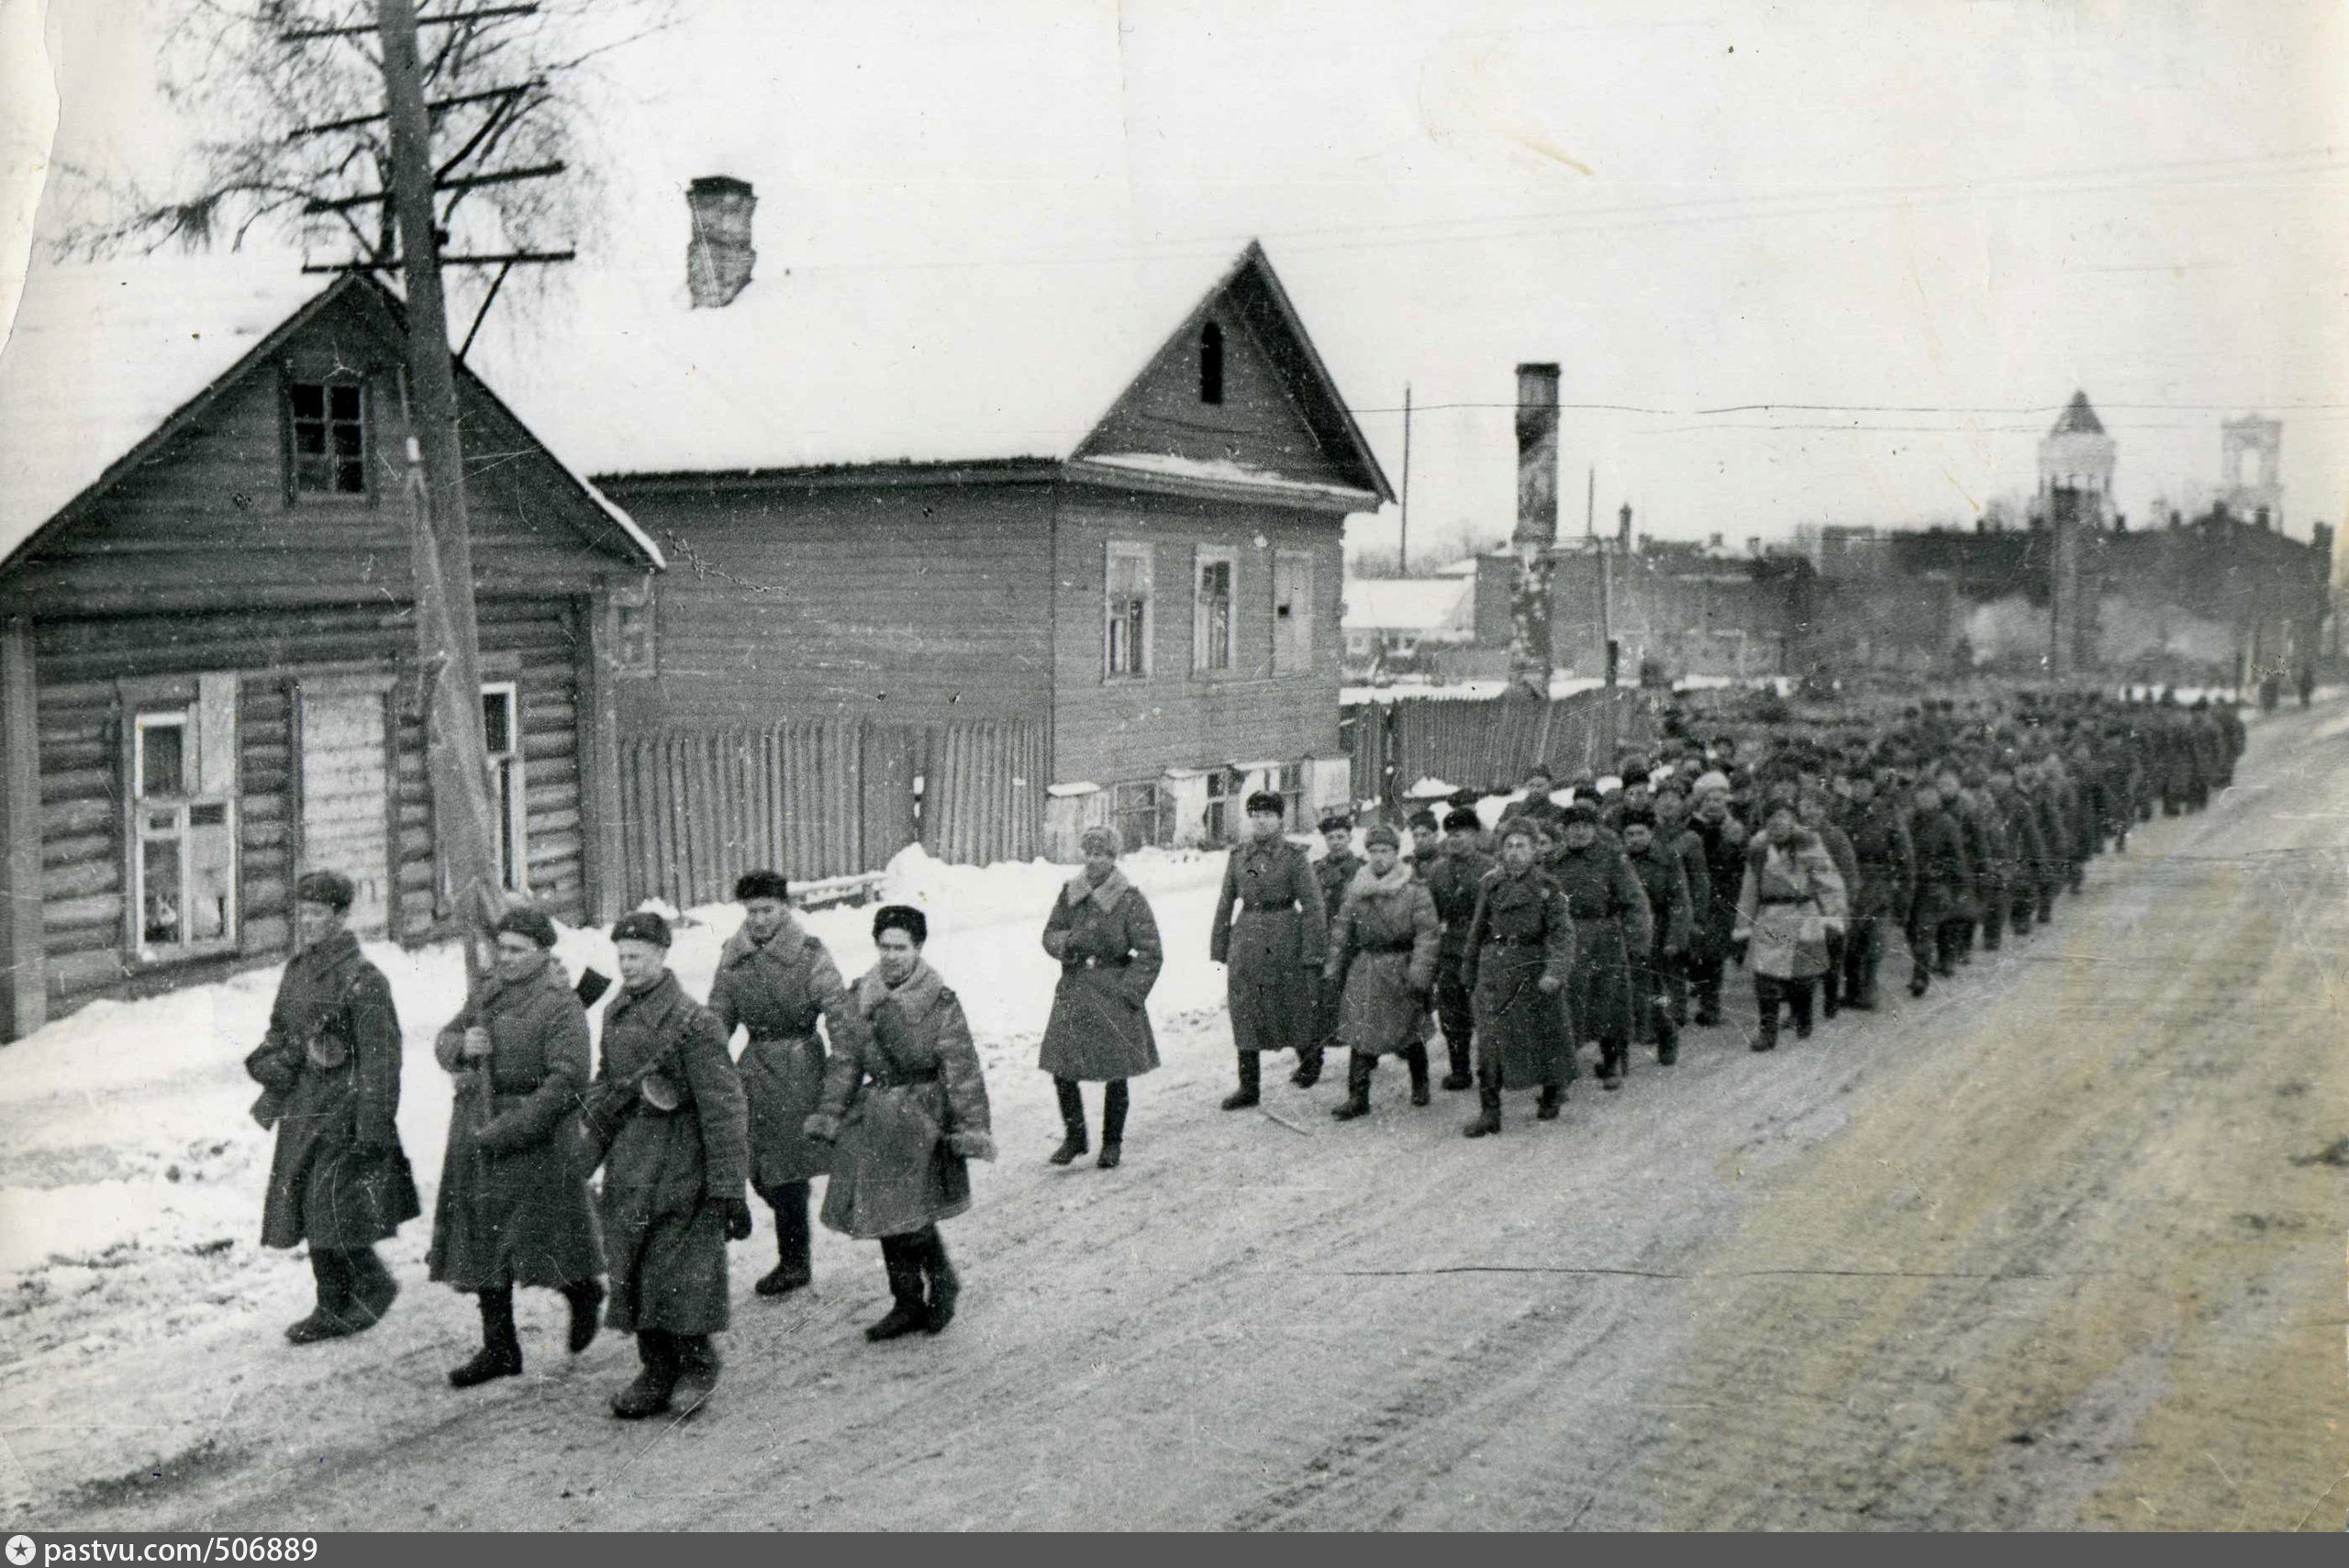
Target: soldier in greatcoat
point(1271, 931)
point(329, 1071)
point(1722, 834)
point(1888, 875)
point(1382, 957)
point(514, 1209)
point(668, 1122)
point(1611, 922)
point(778, 983)
point(1103, 932)
point(1811, 810)
point(1944, 882)
point(1333, 873)
point(1662, 879)
point(1521, 954)
point(1458, 868)
point(1672, 830)
point(905, 1107)
point(1789, 901)
point(2033, 864)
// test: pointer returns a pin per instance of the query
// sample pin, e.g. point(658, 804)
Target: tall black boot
point(1488, 1119)
point(371, 1287)
point(1073, 1141)
point(1459, 1077)
point(1416, 1059)
point(1799, 1001)
point(1765, 997)
point(331, 1318)
point(656, 1351)
point(793, 1268)
point(945, 1285)
point(1251, 1084)
point(1115, 1100)
point(1357, 1101)
point(902, 1256)
point(1613, 1060)
point(501, 1349)
point(697, 1378)
point(1309, 1067)
point(585, 1298)
point(1546, 1106)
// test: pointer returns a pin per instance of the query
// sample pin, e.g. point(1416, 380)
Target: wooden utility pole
point(1536, 534)
point(441, 537)
point(1403, 536)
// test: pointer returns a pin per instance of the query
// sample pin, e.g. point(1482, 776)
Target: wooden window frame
point(163, 706)
point(1296, 636)
point(289, 381)
point(1146, 556)
point(1202, 614)
point(517, 820)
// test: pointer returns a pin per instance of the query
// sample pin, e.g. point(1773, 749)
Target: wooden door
point(346, 811)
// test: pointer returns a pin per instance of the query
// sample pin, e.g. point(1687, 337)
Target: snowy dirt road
point(2060, 1245)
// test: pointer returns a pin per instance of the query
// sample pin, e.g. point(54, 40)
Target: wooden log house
point(208, 670)
point(1104, 504)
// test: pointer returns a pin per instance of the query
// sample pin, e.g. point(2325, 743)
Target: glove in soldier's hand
point(738, 1218)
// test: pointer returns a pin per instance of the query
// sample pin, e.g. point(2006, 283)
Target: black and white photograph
point(1171, 766)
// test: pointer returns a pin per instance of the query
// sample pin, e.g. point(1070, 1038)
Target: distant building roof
point(1423, 606)
point(2077, 418)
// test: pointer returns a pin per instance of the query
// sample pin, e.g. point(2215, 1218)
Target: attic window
point(1211, 363)
point(327, 430)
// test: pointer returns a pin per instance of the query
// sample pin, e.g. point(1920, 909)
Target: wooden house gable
point(1238, 393)
point(284, 477)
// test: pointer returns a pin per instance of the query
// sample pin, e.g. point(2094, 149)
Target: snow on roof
point(1408, 603)
point(101, 357)
point(825, 367)
point(1463, 567)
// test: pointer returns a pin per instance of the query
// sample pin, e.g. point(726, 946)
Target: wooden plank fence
point(1487, 744)
point(820, 799)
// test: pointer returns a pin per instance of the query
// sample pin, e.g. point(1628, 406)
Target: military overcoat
point(329, 1068)
point(1383, 948)
point(1271, 931)
point(1106, 940)
point(899, 1103)
point(778, 991)
point(514, 1206)
point(1521, 933)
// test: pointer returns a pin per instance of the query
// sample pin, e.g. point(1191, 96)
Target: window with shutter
point(1292, 611)
point(182, 764)
point(1126, 613)
point(1212, 602)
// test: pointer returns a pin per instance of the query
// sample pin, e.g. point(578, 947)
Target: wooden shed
point(208, 671)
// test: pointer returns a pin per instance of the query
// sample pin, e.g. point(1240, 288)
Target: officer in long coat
point(1382, 956)
point(1102, 932)
point(1271, 931)
point(1944, 882)
point(1521, 954)
point(1672, 830)
point(907, 1108)
point(1333, 873)
point(2042, 790)
point(1722, 834)
point(329, 1071)
point(1791, 899)
point(1611, 922)
point(514, 1206)
point(2033, 864)
point(1458, 867)
point(668, 1122)
point(1665, 884)
point(1811, 810)
point(778, 983)
point(1878, 831)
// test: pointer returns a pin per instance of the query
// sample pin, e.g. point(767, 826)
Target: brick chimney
point(718, 257)
point(1537, 528)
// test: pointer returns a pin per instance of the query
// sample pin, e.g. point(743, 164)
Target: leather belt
point(1288, 908)
point(1388, 947)
point(906, 1080)
point(1806, 899)
point(1094, 960)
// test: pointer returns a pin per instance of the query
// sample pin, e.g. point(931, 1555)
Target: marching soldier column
point(1594, 917)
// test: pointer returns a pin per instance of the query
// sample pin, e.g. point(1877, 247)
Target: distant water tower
point(2249, 449)
point(2075, 462)
point(2077, 456)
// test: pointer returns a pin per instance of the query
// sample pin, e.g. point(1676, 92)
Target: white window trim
point(516, 791)
point(1202, 556)
point(1146, 556)
point(1301, 565)
point(181, 802)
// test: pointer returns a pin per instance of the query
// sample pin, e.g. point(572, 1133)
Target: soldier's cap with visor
point(1265, 800)
point(330, 888)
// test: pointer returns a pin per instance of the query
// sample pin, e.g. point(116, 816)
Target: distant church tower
point(2248, 481)
point(2075, 462)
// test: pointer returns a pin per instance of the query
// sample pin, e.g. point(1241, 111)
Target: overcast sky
point(1911, 231)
